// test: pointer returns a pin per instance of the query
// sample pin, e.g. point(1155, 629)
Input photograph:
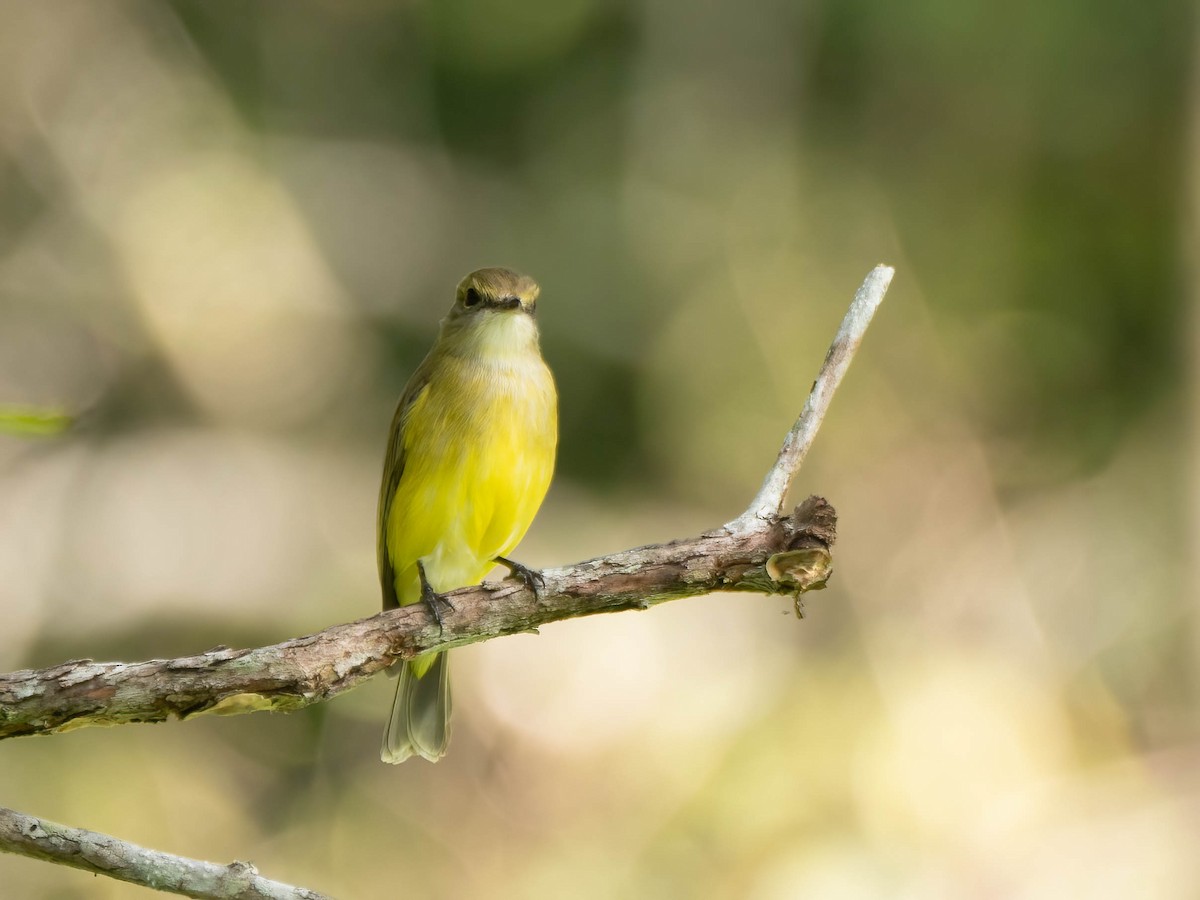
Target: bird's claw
point(532, 577)
point(432, 598)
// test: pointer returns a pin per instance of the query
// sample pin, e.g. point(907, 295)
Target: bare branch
point(789, 557)
point(104, 855)
point(768, 504)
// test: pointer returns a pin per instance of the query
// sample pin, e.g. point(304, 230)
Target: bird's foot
point(532, 577)
point(432, 598)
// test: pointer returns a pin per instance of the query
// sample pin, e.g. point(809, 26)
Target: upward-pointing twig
point(768, 504)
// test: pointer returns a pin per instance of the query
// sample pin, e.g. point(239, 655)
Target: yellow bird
point(468, 463)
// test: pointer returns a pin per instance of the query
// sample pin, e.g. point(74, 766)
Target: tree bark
point(789, 555)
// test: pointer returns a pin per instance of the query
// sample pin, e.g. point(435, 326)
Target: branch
point(104, 855)
point(762, 551)
point(768, 504)
point(789, 557)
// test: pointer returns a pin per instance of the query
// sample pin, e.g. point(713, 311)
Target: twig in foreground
point(104, 855)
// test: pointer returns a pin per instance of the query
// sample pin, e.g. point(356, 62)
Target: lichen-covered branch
point(103, 855)
point(789, 557)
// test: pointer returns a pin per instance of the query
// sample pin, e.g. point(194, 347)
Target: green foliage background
point(227, 232)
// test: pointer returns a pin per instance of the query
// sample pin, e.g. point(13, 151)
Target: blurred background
point(227, 234)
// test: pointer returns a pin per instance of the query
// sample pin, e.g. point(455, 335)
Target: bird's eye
point(471, 297)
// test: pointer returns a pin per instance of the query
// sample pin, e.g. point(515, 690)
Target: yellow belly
point(479, 453)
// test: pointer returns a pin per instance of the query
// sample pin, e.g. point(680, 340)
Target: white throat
point(498, 336)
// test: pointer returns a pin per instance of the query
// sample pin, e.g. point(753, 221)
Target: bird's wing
point(393, 469)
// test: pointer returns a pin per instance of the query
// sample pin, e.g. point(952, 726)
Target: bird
point(469, 460)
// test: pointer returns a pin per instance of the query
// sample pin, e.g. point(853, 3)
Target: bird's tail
point(420, 722)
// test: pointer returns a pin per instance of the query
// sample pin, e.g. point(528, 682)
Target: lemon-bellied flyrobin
point(469, 460)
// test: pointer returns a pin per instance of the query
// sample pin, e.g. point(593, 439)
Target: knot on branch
point(812, 524)
point(804, 560)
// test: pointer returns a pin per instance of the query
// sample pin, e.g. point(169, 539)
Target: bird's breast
point(478, 463)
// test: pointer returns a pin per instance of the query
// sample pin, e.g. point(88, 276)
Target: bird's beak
point(510, 303)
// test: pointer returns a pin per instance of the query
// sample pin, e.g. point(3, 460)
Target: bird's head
point(495, 290)
point(493, 313)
